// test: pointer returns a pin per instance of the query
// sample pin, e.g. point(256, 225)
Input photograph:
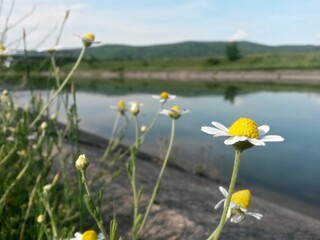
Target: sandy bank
point(309, 77)
point(184, 207)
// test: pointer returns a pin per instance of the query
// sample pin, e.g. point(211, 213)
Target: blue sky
point(142, 22)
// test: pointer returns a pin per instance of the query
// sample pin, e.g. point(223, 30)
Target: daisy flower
point(135, 107)
point(51, 50)
point(87, 235)
point(175, 112)
point(164, 97)
point(239, 205)
point(88, 40)
point(243, 130)
point(5, 57)
point(121, 107)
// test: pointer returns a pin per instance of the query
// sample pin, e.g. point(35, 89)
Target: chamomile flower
point(51, 50)
point(5, 56)
point(245, 131)
point(135, 107)
point(88, 39)
point(121, 107)
point(87, 235)
point(175, 112)
point(164, 97)
point(239, 205)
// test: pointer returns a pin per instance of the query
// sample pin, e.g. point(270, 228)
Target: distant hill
point(190, 49)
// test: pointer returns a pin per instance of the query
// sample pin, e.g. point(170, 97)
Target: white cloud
point(239, 35)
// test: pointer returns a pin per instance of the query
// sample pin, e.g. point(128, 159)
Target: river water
point(290, 168)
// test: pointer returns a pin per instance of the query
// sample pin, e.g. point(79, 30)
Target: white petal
point(184, 111)
point(256, 142)
point(100, 236)
point(219, 203)
point(263, 130)
point(223, 191)
point(272, 138)
point(156, 96)
point(214, 131)
point(235, 139)
point(165, 112)
point(77, 236)
point(236, 218)
point(256, 215)
point(172, 97)
point(220, 126)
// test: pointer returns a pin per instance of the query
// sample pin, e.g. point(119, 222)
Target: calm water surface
point(291, 168)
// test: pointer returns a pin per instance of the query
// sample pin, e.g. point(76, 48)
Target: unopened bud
point(40, 218)
point(82, 162)
point(135, 108)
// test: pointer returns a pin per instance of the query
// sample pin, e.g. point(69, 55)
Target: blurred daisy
point(244, 129)
point(87, 235)
point(51, 50)
point(121, 107)
point(5, 56)
point(135, 107)
point(175, 112)
point(239, 205)
point(88, 39)
point(164, 97)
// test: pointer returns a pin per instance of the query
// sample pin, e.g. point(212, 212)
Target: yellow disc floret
point(89, 36)
point(89, 235)
point(242, 198)
point(164, 95)
point(244, 127)
point(88, 39)
point(121, 106)
point(175, 112)
point(2, 47)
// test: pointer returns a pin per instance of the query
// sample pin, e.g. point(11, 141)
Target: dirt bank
point(184, 207)
point(309, 77)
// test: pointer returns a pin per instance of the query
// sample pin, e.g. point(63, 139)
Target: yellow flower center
point(242, 198)
point(121, 106)
point(89, 235)
point(2, 47)
point(89, 36)
point(175, 112)
point(164, 95)
point(244, 127)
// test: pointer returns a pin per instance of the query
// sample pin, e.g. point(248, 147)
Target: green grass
point(301, 61)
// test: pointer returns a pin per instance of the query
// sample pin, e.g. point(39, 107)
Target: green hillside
point(189, 49)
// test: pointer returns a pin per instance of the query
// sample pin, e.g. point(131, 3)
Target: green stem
point(50, 213)
point(60, 88)
point(8, 189)
point(157, 185)
point(96, 213)
point(29, 206)
point(223, 219)
point(134, 152)
point(111, 139)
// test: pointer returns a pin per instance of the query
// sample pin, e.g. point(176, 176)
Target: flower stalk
point(216, 233)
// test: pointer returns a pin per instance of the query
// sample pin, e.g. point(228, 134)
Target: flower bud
point(40, 218)
point(143, 129)
point(82, 163)
point(53, 117)
point(44, 126)
point(135, 108)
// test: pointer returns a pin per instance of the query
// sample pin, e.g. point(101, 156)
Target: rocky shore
point(184, 207)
